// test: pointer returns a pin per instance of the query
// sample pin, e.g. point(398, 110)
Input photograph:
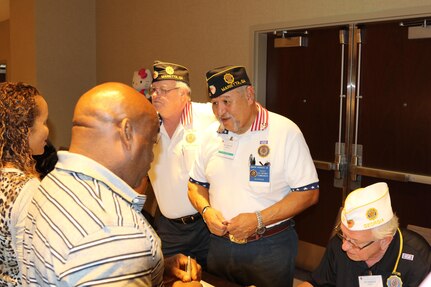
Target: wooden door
point(361, 95)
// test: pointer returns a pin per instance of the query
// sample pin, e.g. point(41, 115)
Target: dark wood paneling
point(303, 84)
point(315, 223)
point(395, 112)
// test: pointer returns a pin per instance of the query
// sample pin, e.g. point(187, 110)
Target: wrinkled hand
point(175, 268)
point(215, 221)
point(242, 226)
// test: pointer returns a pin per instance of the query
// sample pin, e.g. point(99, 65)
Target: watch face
point(261, 230)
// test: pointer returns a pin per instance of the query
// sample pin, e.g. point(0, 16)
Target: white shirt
point(173, 158)
point(277, 143)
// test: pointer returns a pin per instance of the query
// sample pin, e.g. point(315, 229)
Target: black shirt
point(336, 269)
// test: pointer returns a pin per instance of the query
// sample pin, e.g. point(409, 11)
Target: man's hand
point(176, 268)
point(215, 221)
point(243, 225)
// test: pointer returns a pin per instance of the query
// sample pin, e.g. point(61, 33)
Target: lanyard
point(399, 253)
point(395, 278)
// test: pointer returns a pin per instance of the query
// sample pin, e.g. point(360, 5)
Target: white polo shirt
point(274, 147)
point(173, 158)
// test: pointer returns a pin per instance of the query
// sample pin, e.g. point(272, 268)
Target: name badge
point(371, 281)
point(259, 173)
point(228, 148)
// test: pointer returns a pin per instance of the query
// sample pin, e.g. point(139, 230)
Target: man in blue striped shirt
point(84, 226)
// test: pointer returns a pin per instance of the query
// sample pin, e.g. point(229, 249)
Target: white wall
point(64, 47)
point(66, 59)
point(53, 46)
point(203, 34)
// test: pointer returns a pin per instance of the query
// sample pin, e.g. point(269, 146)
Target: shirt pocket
point(259, 189)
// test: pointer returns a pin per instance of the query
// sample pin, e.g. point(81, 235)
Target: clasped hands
point(241, 226)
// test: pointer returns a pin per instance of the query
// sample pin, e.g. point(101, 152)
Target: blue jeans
point(269, 261)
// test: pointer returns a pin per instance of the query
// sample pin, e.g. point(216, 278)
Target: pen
point(189, 267)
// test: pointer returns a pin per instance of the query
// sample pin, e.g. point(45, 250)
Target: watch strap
point(259, 220)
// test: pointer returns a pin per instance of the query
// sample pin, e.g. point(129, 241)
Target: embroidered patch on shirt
point(408, 256)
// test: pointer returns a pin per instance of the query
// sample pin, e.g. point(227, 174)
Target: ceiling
point(4, 10)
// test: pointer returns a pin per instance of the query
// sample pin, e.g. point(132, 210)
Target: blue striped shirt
point(84, 228)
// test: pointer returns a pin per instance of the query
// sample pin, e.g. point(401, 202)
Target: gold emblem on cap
point(190, 137)
point(228, 78)
point(371, 214)
point(350, 223)
point(169, 70)
point(155, 75)
point(263, 150)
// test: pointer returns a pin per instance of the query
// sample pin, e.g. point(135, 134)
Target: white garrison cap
point(368, 207)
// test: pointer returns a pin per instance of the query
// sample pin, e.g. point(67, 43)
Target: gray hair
point(387, 229)
point(183, 85)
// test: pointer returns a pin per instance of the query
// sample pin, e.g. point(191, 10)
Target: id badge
point(260, 173)
point(228, 148)
point(370, 281)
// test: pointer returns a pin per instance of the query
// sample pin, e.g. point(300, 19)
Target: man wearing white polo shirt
point(250, 179)
point(179, 225)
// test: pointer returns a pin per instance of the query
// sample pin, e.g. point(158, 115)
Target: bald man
point(84, 226)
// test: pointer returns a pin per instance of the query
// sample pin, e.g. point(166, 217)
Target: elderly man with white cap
point(370, 249)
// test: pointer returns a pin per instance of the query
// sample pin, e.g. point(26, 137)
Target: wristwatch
point(260, 226)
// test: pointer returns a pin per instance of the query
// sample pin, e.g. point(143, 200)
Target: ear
point(126, 133)
point(183, 92)
point(184, 95)
point(250, 94)
point(384, 243)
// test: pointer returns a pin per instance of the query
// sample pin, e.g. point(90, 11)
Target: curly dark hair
point(18, 111)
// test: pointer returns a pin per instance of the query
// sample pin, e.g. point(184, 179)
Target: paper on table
point(206, 284)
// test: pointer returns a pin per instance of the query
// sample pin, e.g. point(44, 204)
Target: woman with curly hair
point(23, 133)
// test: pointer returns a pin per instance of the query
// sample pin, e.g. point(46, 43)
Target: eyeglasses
point(340, 234)
point(161, 91)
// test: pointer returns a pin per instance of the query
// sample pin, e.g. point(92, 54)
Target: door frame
point(259, 60)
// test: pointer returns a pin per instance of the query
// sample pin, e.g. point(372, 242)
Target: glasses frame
point(161, 91)
point(340, 235)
